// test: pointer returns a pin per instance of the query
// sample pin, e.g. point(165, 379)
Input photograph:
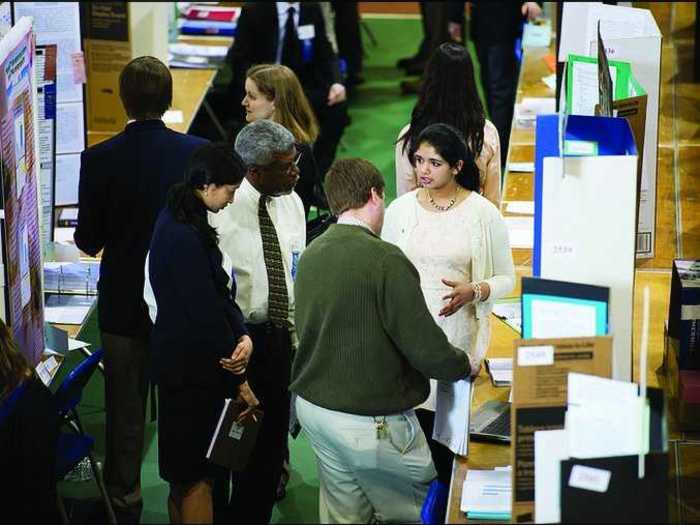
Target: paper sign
point(580, 147)
point(78, 65)
point(535, 355)
point(306, 32)
point(589, 478)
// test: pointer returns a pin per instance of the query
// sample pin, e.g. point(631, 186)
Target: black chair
point(76, 445)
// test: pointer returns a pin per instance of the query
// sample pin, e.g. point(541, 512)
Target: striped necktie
point(278, 300)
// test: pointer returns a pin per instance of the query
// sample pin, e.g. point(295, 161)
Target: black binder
point(233, 441)
point(627, 499)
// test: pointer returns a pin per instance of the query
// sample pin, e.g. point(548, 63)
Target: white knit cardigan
point(492, 260)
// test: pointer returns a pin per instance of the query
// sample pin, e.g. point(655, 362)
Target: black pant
point(347, 31)
point(253, 491)
point(332, 121)
point(442, 456)
point(499, 77)
point(126, 388)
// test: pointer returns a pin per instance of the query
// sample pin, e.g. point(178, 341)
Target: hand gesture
point(238, 362)
point(461, 294)
point(531, 10)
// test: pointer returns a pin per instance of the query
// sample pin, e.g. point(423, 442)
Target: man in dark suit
point(293, 34)
point(123, 184)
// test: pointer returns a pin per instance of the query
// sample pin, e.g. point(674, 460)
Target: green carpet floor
point(378, 112)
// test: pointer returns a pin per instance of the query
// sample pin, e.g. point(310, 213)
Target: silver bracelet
point(477, 293)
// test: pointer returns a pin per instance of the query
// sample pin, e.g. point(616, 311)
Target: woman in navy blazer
point(199, 342)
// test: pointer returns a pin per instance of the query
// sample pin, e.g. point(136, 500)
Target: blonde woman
point(273, 91)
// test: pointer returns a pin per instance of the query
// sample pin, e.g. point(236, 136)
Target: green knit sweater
point(367, 343)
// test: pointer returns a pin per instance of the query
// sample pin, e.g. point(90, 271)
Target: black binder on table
point(233, 441)
point(627, 499)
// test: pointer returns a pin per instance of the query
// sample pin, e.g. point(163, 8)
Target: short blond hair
point(292, 109)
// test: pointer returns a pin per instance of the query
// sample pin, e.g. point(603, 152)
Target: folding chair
point(73, 447)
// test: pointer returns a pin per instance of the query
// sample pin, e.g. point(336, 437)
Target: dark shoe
point(404, 62)
point(415, 68)
point(410, 87)
point(354, 80)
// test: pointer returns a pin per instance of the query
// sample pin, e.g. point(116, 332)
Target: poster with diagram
point(20, 189)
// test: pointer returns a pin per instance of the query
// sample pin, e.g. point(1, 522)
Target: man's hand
point(238, 362)
point(531, 10)
point(336, 94)
point(246, 398)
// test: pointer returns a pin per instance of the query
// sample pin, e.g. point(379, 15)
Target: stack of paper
point(196, 56)
point(510, 312)
point(67, 309)
point(452, 410)
point(76, 277)
point(486, 494)
point(500, 370)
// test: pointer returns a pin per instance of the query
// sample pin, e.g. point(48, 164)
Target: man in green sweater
point(367, 346)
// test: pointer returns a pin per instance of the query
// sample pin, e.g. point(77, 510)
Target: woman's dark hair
point(449, 95)
point(215, 163)
point(145, 88)
point(450, 145)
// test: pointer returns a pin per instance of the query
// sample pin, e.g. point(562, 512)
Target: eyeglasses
point(288, 169)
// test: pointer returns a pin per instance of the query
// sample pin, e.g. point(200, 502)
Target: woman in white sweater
point(449, 95)
point(458, 242)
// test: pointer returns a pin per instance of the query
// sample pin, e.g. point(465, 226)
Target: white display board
point(585, 209)
point(630, 35)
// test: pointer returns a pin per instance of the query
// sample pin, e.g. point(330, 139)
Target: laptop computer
point(491, 422)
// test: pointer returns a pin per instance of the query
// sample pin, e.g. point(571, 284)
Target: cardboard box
point(540, 399)
point(114, 33)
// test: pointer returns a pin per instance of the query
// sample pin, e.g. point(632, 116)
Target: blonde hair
point(292, 109)
point(13, 365)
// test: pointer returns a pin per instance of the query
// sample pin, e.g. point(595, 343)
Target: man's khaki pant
point(368, 474)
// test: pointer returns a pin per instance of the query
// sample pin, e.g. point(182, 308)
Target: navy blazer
point(123, 185)
point(198, 321)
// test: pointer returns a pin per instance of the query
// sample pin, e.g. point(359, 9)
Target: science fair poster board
point(20, 188)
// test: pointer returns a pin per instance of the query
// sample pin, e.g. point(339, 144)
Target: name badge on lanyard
point(307, 33)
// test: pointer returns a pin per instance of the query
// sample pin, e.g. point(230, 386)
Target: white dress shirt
point(282, 8)
point(239, 238)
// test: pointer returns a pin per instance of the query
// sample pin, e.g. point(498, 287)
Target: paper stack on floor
point(486, 494)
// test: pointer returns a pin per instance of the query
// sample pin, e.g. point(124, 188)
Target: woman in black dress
point(200, 345)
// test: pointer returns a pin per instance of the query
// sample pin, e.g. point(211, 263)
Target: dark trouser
point(442, 456)
point(499, 77)
point(126, 389)
point(253, 491)
point(347, 30)
point(332, 121)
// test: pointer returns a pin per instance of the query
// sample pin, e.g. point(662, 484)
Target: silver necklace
point(437, 206)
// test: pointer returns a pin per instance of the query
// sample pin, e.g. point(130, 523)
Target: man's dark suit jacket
point(256, 43)
point(123, 185)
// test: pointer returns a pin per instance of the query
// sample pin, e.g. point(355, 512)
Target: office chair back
point(70, 391)
point(8, 406)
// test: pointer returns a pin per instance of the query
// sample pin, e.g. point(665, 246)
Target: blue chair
point(75, 446)
point(434, 511)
